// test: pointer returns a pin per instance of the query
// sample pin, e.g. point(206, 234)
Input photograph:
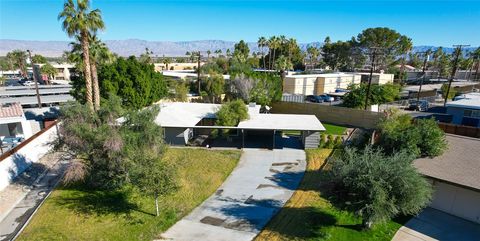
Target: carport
point(182, 121)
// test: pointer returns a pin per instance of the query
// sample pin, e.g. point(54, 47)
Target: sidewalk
point(19, 200)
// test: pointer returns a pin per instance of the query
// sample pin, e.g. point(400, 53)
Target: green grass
point(334, 129)
point(77, 213)
point(311, 213)
point(330, 129)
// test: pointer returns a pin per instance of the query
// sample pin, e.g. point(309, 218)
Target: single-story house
point(455, 176)
point(182, 122)
point(465, 111)
point(14, 127)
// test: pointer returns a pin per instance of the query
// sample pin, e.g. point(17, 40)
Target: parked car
point(327, 98)
point(421, 105)
point(28, 83)
point(314, 99)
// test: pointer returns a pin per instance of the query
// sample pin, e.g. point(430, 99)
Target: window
point(471, 113)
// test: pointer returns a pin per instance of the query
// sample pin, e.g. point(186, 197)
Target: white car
point(28, 83)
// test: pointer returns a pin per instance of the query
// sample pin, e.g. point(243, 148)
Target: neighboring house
point(14, 127)
point(177, 66)
point(465, 111)
point(183, 122)
point(455, 176)
point(64, 71)
point(317, 84)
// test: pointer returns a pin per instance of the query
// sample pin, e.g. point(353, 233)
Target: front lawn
point(310, 215)
point(334, 129)
point(77, 213)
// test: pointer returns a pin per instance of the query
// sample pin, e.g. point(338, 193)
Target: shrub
point(379, 94)
point(338, 142)
point(331, 142)
point(231, 113)
point(379, 187)
point(420, 138)
point(323, 140)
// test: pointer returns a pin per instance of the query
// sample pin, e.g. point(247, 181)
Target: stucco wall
point(20, 160)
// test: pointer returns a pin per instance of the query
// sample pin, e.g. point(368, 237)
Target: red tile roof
point(11, 110)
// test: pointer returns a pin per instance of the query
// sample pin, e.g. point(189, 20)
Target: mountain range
point(160, 48)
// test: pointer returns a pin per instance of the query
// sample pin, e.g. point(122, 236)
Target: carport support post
point(273, 147)
point(243, 139)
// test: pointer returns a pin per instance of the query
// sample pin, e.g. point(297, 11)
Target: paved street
point(432, 224)
point(26, 198)
point(259, 186)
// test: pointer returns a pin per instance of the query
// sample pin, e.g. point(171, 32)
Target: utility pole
point(198, 71)
point(425, 60)
point(458, 51)
point(373, 55)
point(35, 79)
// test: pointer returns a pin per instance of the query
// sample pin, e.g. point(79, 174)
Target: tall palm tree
point(291, 46)
point(78, 19)
point(167, 61)
point(18, 59)
point(262, 43)
point(282, 64)
point(208, 54)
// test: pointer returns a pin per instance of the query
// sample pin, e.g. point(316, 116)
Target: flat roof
point(187, 115)
point(460, 164)
point(26, 92)
point(282, 122)
point(322, 75)
point(32, 100)
point(465, 103)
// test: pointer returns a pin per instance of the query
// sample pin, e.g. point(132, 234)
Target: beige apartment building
point(176, 66)
point(316, 84)
point(64, 71)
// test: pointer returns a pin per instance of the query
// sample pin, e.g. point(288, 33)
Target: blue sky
point(426, 22)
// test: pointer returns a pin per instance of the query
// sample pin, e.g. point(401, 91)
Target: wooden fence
point(331, 114)
point(460, 130)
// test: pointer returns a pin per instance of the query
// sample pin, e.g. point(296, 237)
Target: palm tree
point(262, 43)
point(17, 59)
point(313, 52)
point(218, 52)
point(78, 20)
point(99, 54)
point(167, 61)
point(282, 64)
point(274, 43)
point(208, 54)
point(291, 46)
point(228, 53)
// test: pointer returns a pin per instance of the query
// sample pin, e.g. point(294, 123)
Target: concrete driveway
point(432, 224)
point(260, 185)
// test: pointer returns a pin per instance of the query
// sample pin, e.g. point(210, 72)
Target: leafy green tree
point(79, 20)
point(214, 86)
point(451, 93)
point(313, 54)
point(39, 59)
point(231, 113)
point(433, 141)
point(181, 91)
point(390, 44)
point(136, 83)
point(379, 94)
point(144, 148)
point(379, 187)
point(48, 70)
point(241, 51)
point(420, 138)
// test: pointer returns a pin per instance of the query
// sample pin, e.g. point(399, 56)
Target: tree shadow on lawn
point(301, 223)
point(88, 201)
